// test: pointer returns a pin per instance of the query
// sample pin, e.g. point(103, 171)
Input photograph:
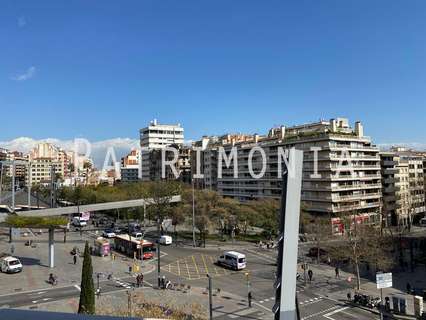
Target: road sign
point(384, 280)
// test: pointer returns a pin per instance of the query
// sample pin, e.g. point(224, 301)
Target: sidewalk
point(326, 284)
point(193, 302)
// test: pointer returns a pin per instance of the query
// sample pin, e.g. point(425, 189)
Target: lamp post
point(210, 298)
point(249, 297)
point(193, 212)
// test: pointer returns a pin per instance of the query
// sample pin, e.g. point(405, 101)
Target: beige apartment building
point(44, 156)
point(20, 165)
point(130, 167)
point(396, 189)
point(347, 179)
point(409, 186)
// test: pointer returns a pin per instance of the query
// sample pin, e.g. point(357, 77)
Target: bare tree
point(363, 243)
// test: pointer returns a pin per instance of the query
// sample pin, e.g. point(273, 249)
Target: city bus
point(134, 247)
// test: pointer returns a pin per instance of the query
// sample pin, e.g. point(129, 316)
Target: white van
point(10, 264)
point(79, 222)
point(423, 222)
point(233, 260)
point(166, 240)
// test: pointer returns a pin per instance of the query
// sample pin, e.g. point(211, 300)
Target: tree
point(267, 215)
point(363, 243)
point(202, 223)
point(319, 228)
point(87, 294)
point(177, 215)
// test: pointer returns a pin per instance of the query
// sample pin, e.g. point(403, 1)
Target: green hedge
point(35, 222)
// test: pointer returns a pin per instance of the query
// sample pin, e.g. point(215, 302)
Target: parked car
point(108, 233)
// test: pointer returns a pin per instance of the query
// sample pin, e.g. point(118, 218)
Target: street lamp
point(193, 212)
point(248, 288)
point(210, 298)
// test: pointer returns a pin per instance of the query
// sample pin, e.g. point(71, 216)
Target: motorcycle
point(367, 301)
point(53, 280)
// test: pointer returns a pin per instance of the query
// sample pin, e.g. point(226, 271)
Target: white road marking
point(328, 315)
point(319, 313)
point(77, 287)
point(36, 293)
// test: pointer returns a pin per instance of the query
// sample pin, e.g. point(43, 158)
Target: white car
point(108, 234)
point(166, 240)
point(78, 222)
point(10, 264)
point(233, 260)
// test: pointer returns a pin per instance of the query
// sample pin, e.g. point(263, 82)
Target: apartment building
point(182, 164)
point(20, 167)
point(157, 136)
point(396, 189)
point(415, 184)
point(44, 155)
point(130, 167)
point(346, 178)
point(41, 170)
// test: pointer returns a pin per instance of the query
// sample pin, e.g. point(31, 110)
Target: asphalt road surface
point(190, 266)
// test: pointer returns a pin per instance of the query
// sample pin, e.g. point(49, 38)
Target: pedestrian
point(408, 288)
point(12, 249)
point(250, 297)
point(141, 279)
point(138, 281)
point(349, 296)
point(74, 258)
point(336, 270)
point(163, 282)
point(310, 275)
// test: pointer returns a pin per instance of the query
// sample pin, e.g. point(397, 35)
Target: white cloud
point(99, 148)
point(22, 22)
point(26, 75)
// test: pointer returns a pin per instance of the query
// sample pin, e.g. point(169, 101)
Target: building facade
point(182, 164)
point(341, 169)
point(155, 137)
point(130, 167)
point(396, 193)
point(403, 186)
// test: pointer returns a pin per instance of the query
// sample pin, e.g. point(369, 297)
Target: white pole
point(291, 237)
point(193, 213)
point(29, 185)
point(13, 185)
point(1, 178)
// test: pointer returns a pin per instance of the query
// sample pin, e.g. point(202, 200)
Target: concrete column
point(51, 248)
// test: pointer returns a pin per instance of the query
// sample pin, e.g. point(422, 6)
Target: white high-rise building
point(157, 136)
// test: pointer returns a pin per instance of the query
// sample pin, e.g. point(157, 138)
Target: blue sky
point(103, 69)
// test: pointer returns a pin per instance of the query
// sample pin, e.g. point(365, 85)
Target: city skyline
point(210, 66)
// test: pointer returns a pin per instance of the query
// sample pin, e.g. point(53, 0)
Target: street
point(186, 267)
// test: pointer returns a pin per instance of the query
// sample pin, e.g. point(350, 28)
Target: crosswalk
point(123, 284)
